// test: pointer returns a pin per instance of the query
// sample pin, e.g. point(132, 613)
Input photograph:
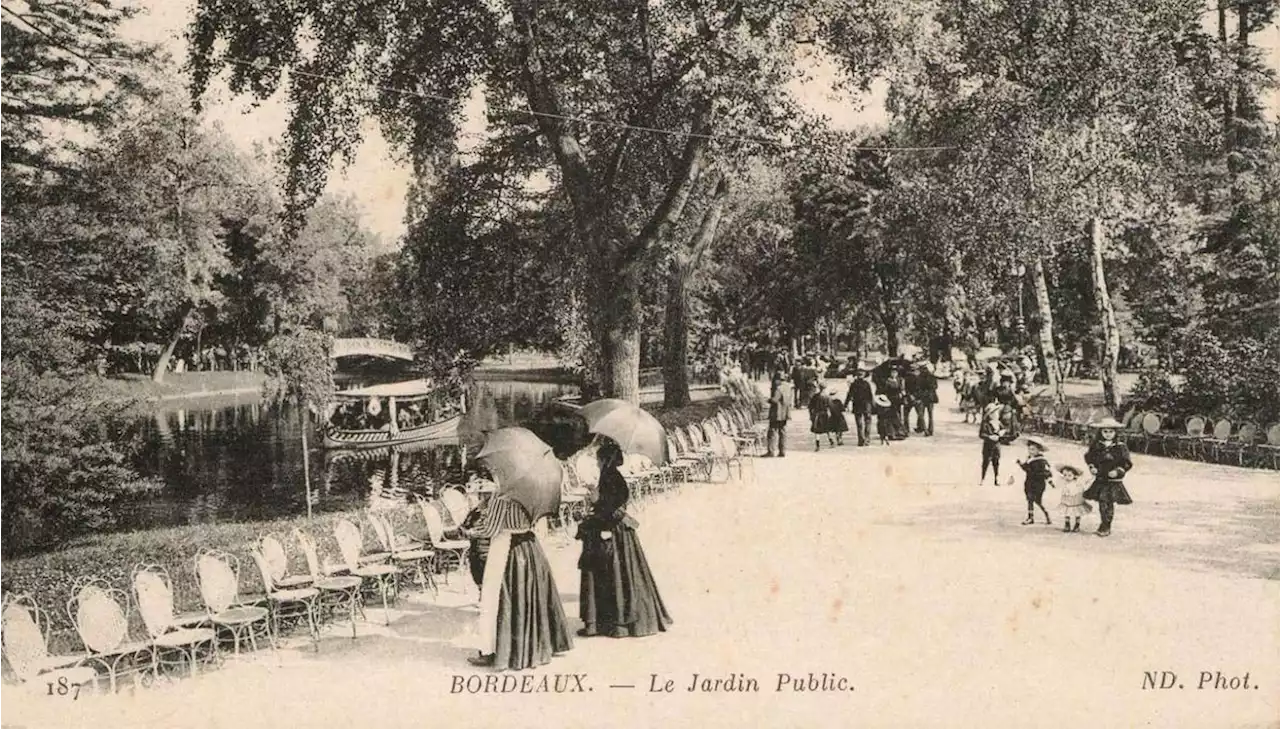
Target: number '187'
point(64, 687)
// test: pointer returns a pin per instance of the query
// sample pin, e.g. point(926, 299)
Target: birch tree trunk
point(1047, 348)
point(1107, 315)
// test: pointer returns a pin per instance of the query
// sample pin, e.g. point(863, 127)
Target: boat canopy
point(408, 389)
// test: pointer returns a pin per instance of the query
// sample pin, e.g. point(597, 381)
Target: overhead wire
point(588, 120)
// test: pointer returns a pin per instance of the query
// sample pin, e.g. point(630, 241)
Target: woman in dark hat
point(522, 621)
point(1108, 461)
point(618, 596)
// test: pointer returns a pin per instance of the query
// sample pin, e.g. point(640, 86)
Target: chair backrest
point(272, 550)
point(1222, 429)
point(435, 524)
point(23, 626)
point(217, 573)
point(1273, 434)
point(350, 542)
point(264, 570)
point(1195, 426)
point(309, 551)
point(456, 507)
point(1151, 423)
point(1248, 433)
point(636, 463)
point(1134, 423)
point(381, 530)
point(154, 594)
point(95, 610)
point(587, 468)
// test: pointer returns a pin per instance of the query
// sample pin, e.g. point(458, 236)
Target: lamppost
point(1019, 273)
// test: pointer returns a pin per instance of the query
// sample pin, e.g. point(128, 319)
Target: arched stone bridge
point(370, 347)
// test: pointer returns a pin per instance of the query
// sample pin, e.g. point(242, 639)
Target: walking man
point(926, 396)
point(861, 399)
point(779, 414)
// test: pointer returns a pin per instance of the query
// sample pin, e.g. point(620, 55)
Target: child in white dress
point(1073, 503)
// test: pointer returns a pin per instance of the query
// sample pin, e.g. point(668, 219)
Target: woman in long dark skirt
point(1108, 461)
point(618, 597)
point(836, 424)
point(522, 621)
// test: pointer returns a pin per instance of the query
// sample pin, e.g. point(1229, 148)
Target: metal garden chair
point(24, 631)
point(287, 603)
point(406, 552)
point(337, 592)
point(383, 576)
point(451, 554)
point(100, 614)
point(219, 576)
point(154, 593)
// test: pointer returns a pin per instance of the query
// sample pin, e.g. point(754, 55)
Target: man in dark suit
point(861, 400)
point(926, 396)
point(779, 414)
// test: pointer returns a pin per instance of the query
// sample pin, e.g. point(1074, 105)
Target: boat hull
point(368, 439)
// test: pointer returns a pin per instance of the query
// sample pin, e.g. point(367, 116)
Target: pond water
point(236, 458)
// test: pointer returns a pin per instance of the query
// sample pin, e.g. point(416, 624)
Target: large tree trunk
point(162, 365)
point(618, 335)
point(1107, 315)
point(1047, 349)
point(675, 366)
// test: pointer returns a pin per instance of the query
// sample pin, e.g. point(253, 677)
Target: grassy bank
point(184, 384)
point(49, 577)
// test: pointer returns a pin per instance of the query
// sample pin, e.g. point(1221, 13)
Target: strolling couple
point(522, 621)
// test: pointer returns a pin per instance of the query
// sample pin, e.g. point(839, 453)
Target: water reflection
point(236, 458)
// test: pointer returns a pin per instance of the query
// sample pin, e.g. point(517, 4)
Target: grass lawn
point(177, 384)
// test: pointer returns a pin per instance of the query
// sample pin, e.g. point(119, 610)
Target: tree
point(299, 369)
point(65, 70)
point(547, 68)
point(1094, 97)
point(166, 192)
point(685, 260)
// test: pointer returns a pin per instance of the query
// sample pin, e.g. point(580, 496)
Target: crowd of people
point(895, 394)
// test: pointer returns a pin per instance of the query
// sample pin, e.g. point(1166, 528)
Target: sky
point(376, 178)
point(380, 182)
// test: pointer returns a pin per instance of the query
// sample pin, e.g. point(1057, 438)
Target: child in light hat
point(1039, 475)
point(1072, 503)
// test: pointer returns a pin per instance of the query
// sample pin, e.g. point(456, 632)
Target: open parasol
point(526, 469)
point(632, 427)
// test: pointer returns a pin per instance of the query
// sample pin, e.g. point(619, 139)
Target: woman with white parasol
point(522, 622)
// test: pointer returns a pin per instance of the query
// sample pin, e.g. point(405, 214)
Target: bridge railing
point(371, 347)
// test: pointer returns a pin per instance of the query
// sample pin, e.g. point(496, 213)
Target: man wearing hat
point(925, 397)
point(861, 400)
point(779, 414)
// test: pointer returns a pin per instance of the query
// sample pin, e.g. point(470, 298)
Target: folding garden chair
point(337, 592)
point(287, 603)
point(384, 576)
point(1223, 430)
point(452, 552)
point(1241, 444)
point(154, 593)
point(1191, 442)
point(1269, 451)
point(100, 615)
point(24, 630)
point(219, 576)
point(406, 552)
point(272, 549)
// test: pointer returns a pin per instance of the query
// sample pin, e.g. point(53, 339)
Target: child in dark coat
point(1039, 475)
point(836, 424)
point(819, 415)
